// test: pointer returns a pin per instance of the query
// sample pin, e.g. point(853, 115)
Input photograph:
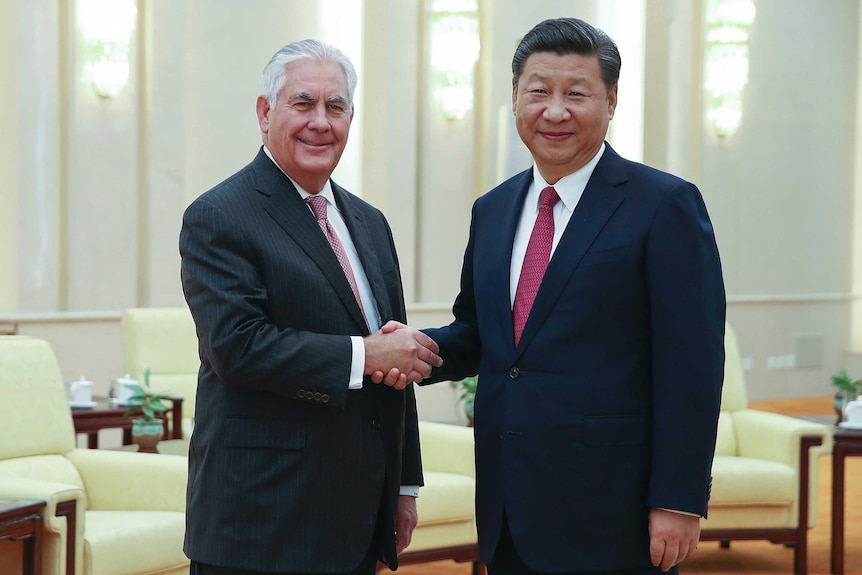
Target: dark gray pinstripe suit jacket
point(287, 468)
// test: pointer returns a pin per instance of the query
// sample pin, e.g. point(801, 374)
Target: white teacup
point(81, 391)
point(121, 388)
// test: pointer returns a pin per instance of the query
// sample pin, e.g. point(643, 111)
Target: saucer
point(82, 404)
point(850, 425)
point(125, 403)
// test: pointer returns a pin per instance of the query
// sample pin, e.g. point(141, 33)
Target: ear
point(514, 94)
point(263, 114)
point(612, 102)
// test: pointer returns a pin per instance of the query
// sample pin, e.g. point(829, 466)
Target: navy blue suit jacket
point(608, 406)
point(288, 469)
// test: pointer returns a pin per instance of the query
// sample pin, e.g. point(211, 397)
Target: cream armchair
point(447, 524)
point(108, 512)
point(164, 339)
point(764, 475)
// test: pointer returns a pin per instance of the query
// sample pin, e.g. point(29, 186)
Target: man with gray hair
point(296, 463)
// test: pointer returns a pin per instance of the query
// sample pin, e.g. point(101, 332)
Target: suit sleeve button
point(324, 398)
point(514, 372)
point(300, 393)
point(316, 396)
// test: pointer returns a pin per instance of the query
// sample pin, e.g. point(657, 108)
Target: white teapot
point(123, 388)
point(81, 392)
point(853, 413)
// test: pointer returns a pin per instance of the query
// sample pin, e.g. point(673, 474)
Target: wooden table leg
point(836, 564)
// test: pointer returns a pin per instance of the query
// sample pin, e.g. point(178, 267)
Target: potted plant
point(467, 395)
point(848, 390)
point(147, 428)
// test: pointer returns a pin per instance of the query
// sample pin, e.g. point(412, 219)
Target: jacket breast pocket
point(604, 256)
point(264, 433)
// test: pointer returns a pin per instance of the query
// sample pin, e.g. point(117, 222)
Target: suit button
point(375, 423)
point(316, 396)
point(324, 398)
point(514, 373)
point(300, 393)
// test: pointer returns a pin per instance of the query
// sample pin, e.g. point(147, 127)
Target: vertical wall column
point(8, 159)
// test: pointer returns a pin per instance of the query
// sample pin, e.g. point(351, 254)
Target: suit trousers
point(507, 561)
point(368, 566)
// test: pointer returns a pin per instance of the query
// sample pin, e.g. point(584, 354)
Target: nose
point(557, 111)
point(318, 120)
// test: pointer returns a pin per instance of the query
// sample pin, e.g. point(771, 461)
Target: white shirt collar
point(326, 192)
point(569, 188)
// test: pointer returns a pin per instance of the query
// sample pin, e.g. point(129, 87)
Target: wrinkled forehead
point(320, 80)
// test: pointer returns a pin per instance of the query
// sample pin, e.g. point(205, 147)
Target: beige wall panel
point(8, 159)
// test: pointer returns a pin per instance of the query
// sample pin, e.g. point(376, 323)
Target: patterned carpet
point(755, 557)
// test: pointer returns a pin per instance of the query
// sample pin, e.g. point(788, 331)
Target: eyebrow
point(338, 99)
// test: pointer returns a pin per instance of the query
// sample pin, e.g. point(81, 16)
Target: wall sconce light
point(454, 53)
point(726, 67)
point(106, 28)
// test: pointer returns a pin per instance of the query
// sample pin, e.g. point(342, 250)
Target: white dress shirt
point(569, 188)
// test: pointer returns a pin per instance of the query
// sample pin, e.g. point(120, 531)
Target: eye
point(338, 108)
point(301, 105)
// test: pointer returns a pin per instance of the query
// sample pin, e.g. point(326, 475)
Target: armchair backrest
point(163, 339)
point(733, 394)
point(34, 406)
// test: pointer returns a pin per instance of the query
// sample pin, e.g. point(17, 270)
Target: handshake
point(397, 355)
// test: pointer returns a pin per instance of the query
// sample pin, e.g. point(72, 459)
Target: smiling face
point(307, 129)
point(562, 111)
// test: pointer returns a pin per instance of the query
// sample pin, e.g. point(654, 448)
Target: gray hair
point(570, 36)
point(275, 72)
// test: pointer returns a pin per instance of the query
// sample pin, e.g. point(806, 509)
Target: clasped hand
point(401, 353)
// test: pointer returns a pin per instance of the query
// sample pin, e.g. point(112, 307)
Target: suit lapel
point(599, 201)
point(358, 227)
point(286, 207)
point(507, 215)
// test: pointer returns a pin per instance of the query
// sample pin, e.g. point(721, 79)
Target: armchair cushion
point(164, 340)
point(146, 540)
point(447, 501)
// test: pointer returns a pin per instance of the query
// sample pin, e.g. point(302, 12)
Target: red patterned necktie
point(535, 260)
point(318, 206)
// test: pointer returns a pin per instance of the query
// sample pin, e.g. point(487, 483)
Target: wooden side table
point(21, 520)
point(106, 415)
point(846, 443)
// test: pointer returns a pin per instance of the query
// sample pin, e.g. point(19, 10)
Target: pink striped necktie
point(535, 260)
point(318, 206)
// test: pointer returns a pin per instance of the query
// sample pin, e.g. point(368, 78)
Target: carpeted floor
point(755, 557)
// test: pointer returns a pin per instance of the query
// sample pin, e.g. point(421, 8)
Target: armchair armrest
point(774, 437)
point(52, 493)
point(447, 448)
point(132, 481)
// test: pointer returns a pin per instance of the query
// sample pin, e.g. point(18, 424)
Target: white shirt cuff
point(410, 490)
point(680, 512)
point(357, 363)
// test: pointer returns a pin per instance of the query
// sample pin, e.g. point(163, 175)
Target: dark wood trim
point(795, 537)
point(21, 520)
point(69, 510)
point(846, 443)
